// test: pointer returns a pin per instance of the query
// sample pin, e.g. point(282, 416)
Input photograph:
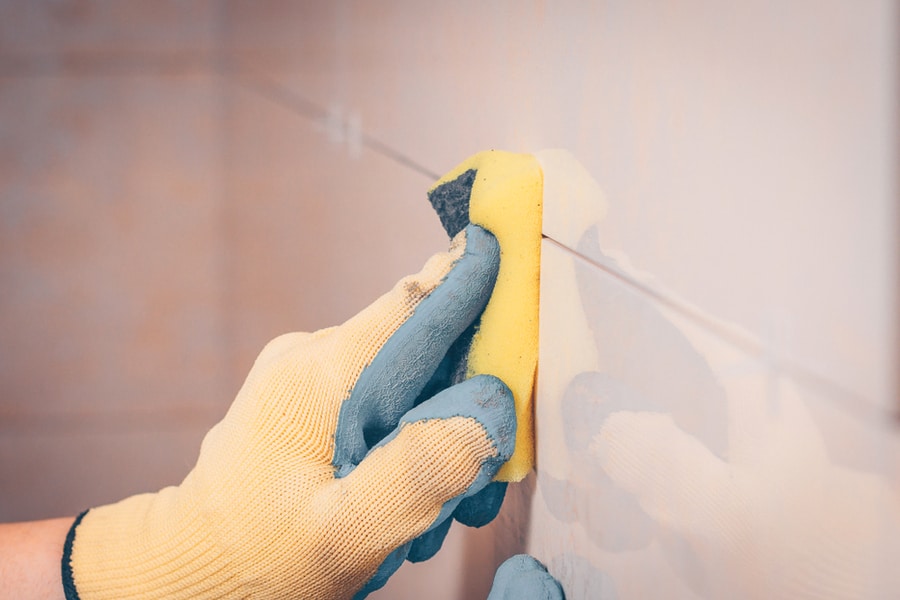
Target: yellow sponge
point(505, 194)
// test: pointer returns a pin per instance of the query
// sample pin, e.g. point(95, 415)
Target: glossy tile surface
point(748, 150)
point(670, 463)
point(110, 298)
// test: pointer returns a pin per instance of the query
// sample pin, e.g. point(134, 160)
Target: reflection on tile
point(64, 473)
point(574, 202)
point(672, 464)
point(109, 245)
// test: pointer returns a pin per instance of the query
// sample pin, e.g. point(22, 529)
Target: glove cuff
point(146, 546)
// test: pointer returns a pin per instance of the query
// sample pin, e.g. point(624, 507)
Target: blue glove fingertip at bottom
point(481, 508)
point(523, 577)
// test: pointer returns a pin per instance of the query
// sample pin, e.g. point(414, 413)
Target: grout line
point(385, 150)
point(139, 64)
point(308, 109)
point(743, 340)
point(846, 399)
point(277, 94)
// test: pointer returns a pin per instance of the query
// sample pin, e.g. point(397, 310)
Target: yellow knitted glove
point(330, 462)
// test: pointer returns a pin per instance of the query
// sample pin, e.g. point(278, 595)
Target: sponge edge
point(506, 199)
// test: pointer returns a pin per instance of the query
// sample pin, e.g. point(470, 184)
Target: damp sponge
point(503, 193)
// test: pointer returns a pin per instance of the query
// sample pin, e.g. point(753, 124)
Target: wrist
point(146, 546)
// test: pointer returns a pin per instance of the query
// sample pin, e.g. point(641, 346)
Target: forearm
point(30, 555)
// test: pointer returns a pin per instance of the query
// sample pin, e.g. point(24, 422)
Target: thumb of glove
point(523, 577)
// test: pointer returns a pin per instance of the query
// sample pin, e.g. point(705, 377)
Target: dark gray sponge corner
point(451, 201)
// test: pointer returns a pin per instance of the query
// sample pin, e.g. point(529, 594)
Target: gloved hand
point(330, 462)
point(523, 577)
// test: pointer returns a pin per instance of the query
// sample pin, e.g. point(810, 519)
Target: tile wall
point(182, 181)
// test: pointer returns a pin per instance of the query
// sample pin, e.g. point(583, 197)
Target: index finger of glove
point(422, 317)
point(444, 448)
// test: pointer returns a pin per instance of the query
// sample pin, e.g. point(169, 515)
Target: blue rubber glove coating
point(410, 380)
point(393, 382)
point(484, 398)
point(522, 577)
point(480, 509)
point(473, 511)
point(427, 545)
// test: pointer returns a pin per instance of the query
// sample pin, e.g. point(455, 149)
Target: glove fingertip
point(495, 409)
point(482, 243)
point(480, 509)
point(524, 577)
point(427, 545)
point(487, 400)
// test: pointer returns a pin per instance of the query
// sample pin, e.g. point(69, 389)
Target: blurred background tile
point(316, 229)
point(52, 34)
point(63, 472)
point(111, 245)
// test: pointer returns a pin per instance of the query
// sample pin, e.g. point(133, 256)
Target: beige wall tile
point(61, 473)
point(317, 230)
point(671, 463)
point(62, 28)
point(747, 152)
point(111, 247)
